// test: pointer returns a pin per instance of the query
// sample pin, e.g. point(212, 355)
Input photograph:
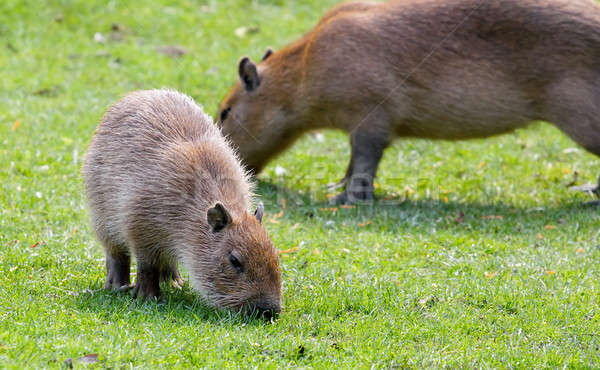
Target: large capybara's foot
point(147, 283)
point(117, 271)
point(356, 197)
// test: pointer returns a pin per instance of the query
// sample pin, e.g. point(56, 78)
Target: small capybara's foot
point(147, 283)
point(117, 272)
point(145, 291)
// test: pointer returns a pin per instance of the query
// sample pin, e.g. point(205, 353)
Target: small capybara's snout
point(268, 312)
point(265, 308)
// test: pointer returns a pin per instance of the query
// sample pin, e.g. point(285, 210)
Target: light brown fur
point(154, 169)
point(451, 69)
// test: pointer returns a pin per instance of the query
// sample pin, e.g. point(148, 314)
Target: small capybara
point(164, 186)
point(435, 69)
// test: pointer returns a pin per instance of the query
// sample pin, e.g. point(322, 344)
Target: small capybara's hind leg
point(574, 107)
point(171, 275)
point(118, 264)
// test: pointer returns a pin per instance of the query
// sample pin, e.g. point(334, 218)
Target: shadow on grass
point(182, 306)
point(420, 215)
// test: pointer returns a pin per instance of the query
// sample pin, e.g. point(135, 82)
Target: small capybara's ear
point(268, 53)
point(260, 211)
point(248, 74)
point(218, 217)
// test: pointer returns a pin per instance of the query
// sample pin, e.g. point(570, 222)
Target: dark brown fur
point(451, 69)
point(164, 186)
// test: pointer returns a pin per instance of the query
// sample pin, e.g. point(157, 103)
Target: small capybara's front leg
point(117, 269)
point(367, 150)
point(147, 284)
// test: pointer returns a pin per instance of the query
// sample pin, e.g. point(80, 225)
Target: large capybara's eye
point(236, 263)
point(224, 114)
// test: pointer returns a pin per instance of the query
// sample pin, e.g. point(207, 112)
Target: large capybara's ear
point(248, 74)
point(218, 217)
point(260, 211)
point(268, 53)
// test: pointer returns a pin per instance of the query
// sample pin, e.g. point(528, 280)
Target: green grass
point(424, 279)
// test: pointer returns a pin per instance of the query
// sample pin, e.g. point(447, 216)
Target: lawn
point(477, 254)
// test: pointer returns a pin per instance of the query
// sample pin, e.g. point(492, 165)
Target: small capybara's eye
point(235, 262)
point(224, 114)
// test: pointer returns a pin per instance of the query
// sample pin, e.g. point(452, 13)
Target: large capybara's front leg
point(367, 150)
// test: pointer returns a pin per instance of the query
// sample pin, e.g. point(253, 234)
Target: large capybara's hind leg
point(118, 264)
point(574, 107)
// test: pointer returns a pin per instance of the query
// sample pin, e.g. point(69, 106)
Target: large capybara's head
point(241, 271)
point(256, 115)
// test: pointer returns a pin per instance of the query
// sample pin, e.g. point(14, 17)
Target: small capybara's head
point(254, 114)
point(242, 269)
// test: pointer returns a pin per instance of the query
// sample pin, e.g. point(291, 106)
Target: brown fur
point(160, 180)
point(436, 69)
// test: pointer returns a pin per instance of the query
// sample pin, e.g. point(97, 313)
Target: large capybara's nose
point(268, 312)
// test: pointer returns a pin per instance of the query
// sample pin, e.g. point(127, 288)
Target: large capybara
point(164, 186)
point(435, 69)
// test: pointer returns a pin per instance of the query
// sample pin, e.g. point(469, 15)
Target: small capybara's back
point(164, 186)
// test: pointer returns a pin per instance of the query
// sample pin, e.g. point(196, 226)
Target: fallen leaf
point(278, 215)
point(363, 224)
point(580, 250)
point(291, 250)
point(575, 178)
point(16, 125)
point(68, 363)
point(492, 217)
point(273, 221)
point(347, 206)
point(89, 359)
point(99, 38)
point(549, 227)
point(243, 31)
point(480, 165)
point(172, 51)
point(428, 301)
point(490, 275)
point(333, 209)
point(35, 245)
point(280, 171)
point(550, 272)
point(540, 236)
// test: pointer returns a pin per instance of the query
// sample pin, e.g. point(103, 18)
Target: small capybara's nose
point(268, 313)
